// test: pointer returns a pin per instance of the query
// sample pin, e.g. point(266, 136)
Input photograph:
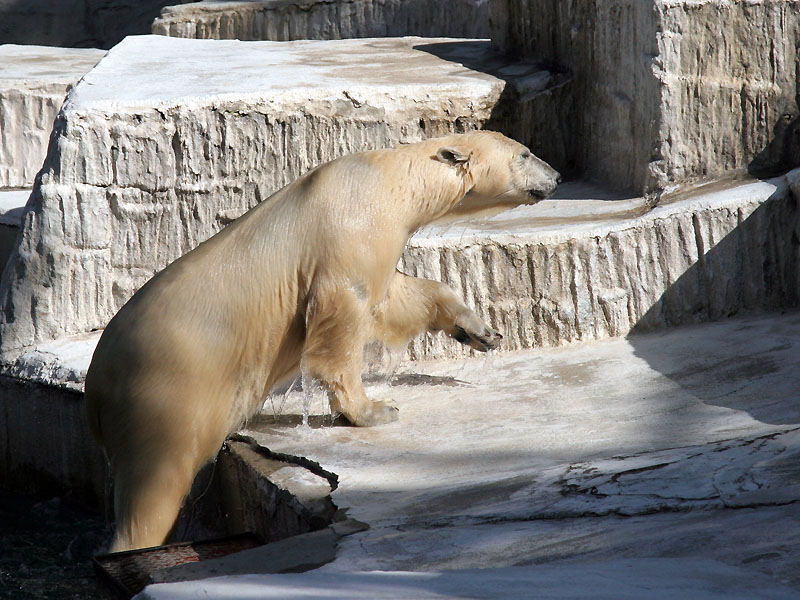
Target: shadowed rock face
point(76, 23)
point(282, 20)
point(666, 91)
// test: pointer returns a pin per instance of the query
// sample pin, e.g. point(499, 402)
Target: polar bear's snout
point(541, 179)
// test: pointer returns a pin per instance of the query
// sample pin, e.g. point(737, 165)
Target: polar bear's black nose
point(558, 178)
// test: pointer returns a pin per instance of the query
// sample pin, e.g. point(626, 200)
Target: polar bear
point(307, 275)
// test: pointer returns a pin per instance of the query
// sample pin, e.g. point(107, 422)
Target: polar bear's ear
point(450, 155)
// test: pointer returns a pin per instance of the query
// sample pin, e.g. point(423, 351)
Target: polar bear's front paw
point(482, 340)
point(379, 412)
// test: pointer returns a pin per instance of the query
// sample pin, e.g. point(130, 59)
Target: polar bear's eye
point(526, 154)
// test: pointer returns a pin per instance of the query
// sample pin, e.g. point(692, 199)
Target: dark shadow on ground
point(753, 268)
point(46, 548)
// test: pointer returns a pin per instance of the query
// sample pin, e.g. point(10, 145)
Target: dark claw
point(462, 336)
point(482, 343)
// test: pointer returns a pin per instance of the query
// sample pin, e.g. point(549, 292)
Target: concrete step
point(33, 83)
point(279, 20)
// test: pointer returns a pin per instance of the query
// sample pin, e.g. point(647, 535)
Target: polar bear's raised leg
point(414, 305)
point(337, 327)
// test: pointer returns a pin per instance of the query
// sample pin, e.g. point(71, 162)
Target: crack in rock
point(313, 466)
point(740, 473)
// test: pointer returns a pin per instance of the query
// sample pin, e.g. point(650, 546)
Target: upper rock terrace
point(284, 20)
point(33, 83)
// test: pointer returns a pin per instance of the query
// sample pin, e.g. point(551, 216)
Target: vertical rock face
point(669, 90)
point(33, 83)
point(76, 23)
point(284, 20)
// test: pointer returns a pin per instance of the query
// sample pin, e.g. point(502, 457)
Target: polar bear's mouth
point(537, 194)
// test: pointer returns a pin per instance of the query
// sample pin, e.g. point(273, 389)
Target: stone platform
point(657, 466)
point(33, 83)
point(285, 20)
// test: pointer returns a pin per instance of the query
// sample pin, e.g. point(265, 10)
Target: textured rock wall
point(282, 20)
point(27, 117)
point(684, 263)
point(670, 90)
point(33, 84)
point(76, 23)
point(141, 170)
point(103, 223)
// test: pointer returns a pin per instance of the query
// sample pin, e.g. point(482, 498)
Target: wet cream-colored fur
point(309, 274)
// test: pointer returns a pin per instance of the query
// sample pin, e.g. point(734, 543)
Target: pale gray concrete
point(658, 466)
point(33, 83)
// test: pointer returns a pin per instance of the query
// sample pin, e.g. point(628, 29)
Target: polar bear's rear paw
point(379, 412)
point(482, 340)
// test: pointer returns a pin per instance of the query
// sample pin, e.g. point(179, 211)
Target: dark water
point(46, 549)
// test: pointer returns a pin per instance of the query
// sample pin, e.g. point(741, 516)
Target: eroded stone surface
point(674, 445)
point(284, 20)
point(33, 83)
point(668, 90)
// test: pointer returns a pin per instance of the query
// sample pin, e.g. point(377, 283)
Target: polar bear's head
point(501, 173)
